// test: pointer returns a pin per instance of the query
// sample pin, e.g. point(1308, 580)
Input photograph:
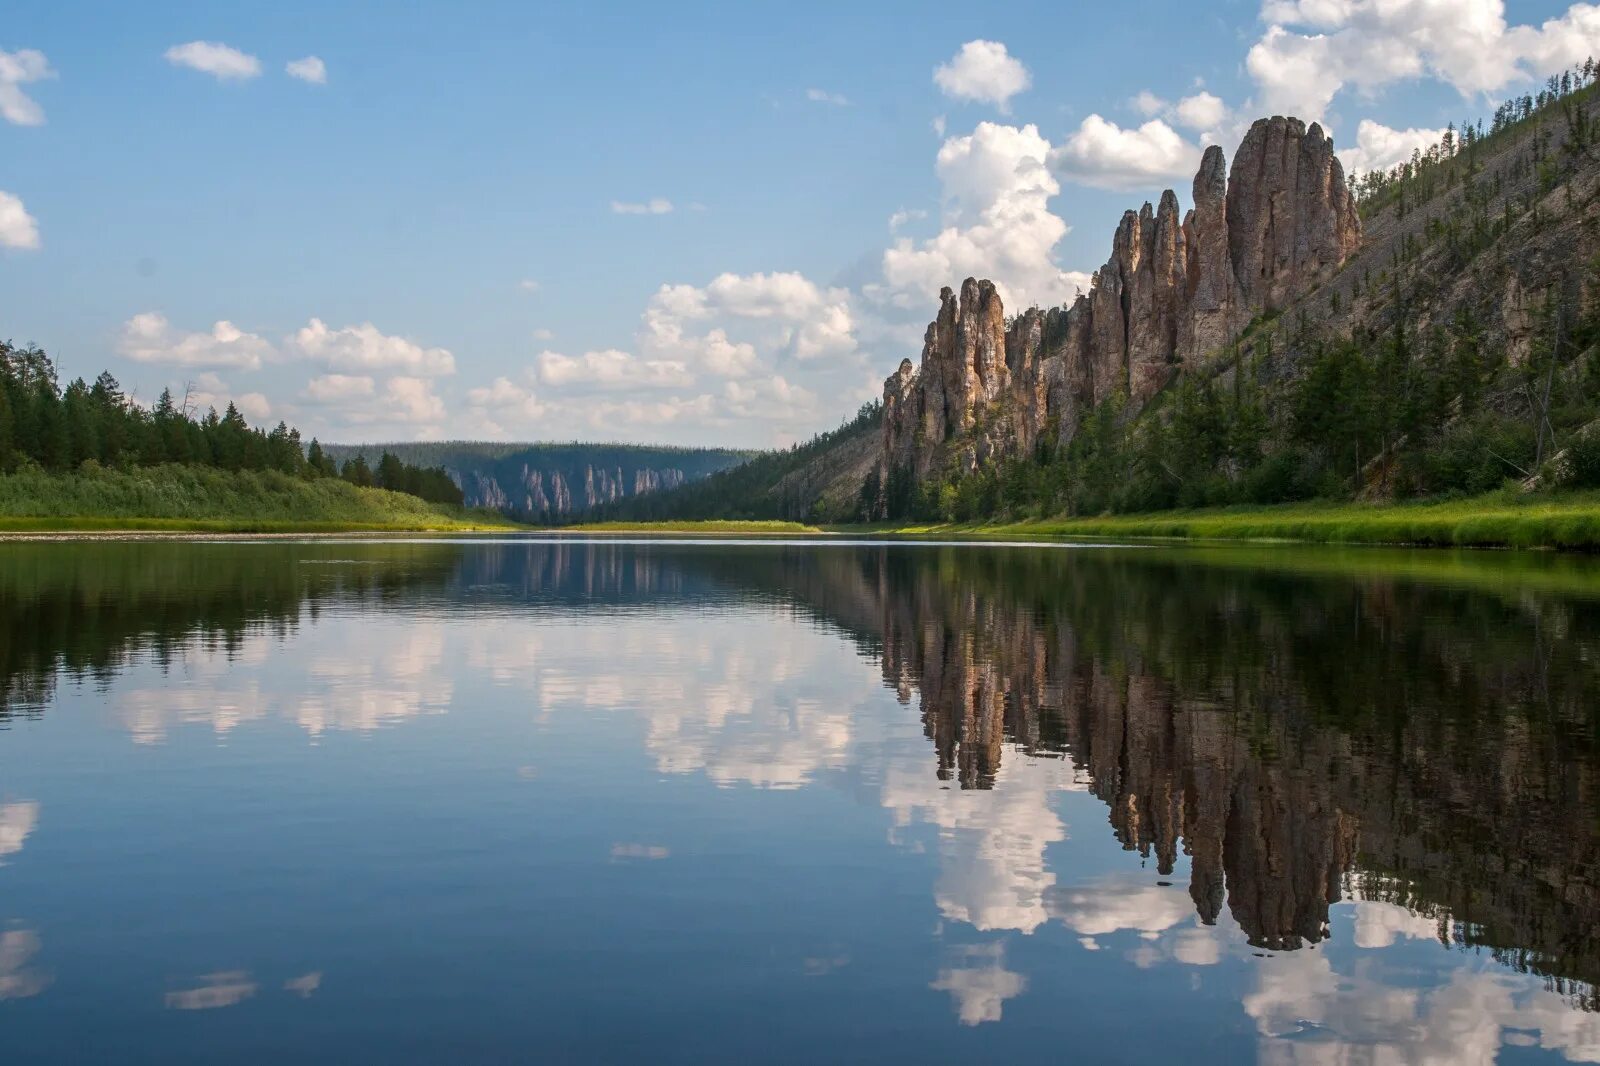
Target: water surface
point(686, 802)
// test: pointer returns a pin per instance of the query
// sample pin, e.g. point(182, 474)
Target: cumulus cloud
point(18, 229)
point(655, 206)
point(787, 314)
point(1102, 154)
point(505, 398)
point(996, 223)
point(610, 368)
point(1378, 147)
point(335, 388)
point(215, 58)
point(1313, 49)
point(411, 400)
point(16, 70)
point(149, 338)
point(772, 397)
point(366, 348)
point(823, 96)
point(904, 215)
point(985, 72)
point(311, 69)
point(210, 392)
point(1201, 112)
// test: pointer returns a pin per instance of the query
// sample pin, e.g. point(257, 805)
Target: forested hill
point(554, 482)
point(1432, 331)
point(816, 481)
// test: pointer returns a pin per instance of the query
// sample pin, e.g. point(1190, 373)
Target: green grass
point(201, 499)
point(755, 527)
point(1499, 520)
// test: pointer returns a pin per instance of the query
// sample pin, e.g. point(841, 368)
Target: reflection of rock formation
point(1218, 714)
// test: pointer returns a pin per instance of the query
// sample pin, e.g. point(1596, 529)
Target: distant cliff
point(552, 482)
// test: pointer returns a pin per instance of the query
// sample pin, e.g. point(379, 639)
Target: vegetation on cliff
point(1455, 349)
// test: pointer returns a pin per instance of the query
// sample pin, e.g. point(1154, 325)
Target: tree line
point(60, 429)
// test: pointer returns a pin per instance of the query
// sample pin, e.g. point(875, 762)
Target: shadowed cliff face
point(1300, 740)
point(1173, 292)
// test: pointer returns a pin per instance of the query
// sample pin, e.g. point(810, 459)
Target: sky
point(716, 224)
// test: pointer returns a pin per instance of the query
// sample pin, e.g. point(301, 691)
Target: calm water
point(533, 801)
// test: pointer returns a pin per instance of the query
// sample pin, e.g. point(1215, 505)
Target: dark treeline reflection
point(81, 610)
point(1301, 737)
point(1304, 726)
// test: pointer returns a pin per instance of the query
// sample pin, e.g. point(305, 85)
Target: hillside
point(189, 497)
point(1430, 332)
point(553, 482)
point(818, 481)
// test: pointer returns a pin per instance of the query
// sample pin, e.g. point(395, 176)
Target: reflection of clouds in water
point(979, 983)
point(304, 985)
point(1379, 925)
point(711, 703)
point(16, 822)
point(18, 980)
point(1161, 915)
point(215, 990)
point(991, 841)
point(1305, 1012)
point(355, 676)
point(647, 852)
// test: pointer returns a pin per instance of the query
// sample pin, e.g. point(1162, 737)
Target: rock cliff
point(1173, 293)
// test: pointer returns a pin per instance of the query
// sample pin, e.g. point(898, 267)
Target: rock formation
point(1172, 294)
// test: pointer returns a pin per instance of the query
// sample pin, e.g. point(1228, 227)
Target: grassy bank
point(1499, 520)
point(202, 499)
point(709, 527)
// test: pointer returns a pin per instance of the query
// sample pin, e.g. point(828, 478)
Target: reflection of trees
point(1299, 737)
point(82, 610)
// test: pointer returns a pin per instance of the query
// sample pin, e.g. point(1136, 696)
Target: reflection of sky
point(458, 718)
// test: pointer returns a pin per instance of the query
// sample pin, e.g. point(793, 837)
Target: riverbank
point(1499, 520)
point(1507, 519)
point(177, 499)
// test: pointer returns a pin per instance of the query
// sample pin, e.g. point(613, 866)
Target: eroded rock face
point(1291, 218)
point(1173, 293)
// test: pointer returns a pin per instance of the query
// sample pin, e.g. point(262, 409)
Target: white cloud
point(904, 215)
point(939, 123)
point(996, 223)
point(16, 70)
point(1104, 155)
point(149, 338)
point(504, 398)
point(985, 72)
point(1378, 147)
point(610, 368)
point(823, 96)
point(772, 398)
point(215, 58)
point(1148, 104)
point(310, 69)
point(1200, 112)
point(335, 388)
point(209, 391)
point(543, 334)
point(411, 400)
point(790, 315)
point(18, 229)
point(656, 206)
point(365, 348)
point(1313, 49)
point(528, 285)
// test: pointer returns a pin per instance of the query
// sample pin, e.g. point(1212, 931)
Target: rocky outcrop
point(1172, 294)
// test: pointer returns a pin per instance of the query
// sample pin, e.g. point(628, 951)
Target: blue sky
point(452, 233)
